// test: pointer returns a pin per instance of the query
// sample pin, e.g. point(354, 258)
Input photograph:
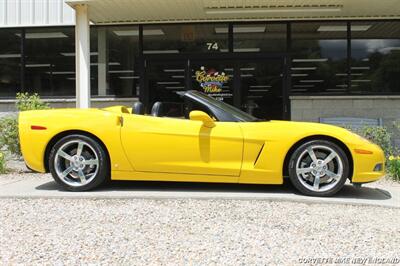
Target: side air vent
point(259, 153)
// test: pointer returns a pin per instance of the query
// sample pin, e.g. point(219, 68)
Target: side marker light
point(38, 128)
point(360, 151)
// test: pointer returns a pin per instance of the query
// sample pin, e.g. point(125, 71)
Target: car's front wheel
point(78, 163)
point(319, 168)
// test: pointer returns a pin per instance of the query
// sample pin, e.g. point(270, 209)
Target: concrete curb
point(47, 189)
point(271, 199)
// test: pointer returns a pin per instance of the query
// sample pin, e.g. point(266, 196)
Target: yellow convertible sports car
point(213, 142)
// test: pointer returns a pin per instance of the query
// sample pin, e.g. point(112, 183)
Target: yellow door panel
point(169, 145)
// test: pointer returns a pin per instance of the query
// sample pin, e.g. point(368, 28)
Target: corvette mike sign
point(211, 81)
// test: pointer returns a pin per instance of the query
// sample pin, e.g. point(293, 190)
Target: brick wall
point(311, 108)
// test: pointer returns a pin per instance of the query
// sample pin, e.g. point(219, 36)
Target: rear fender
point(105, 126)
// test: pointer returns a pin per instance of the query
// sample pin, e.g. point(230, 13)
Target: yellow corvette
point(215, 143)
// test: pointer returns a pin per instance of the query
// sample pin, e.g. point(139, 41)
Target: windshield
point(235, 112)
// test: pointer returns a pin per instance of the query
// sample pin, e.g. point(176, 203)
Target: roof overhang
point(157, 11)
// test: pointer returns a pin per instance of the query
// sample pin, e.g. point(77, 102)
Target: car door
point(172, 145)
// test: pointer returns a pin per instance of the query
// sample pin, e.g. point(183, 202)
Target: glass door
point(213, 77)
point(261, 88)
point(256, 85)
point(163, 79)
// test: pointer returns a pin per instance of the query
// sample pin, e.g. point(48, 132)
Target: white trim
point(36, 25)
point(32, 13)
point(5, 13)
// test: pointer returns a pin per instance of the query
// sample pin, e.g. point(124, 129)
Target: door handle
point(120, 121)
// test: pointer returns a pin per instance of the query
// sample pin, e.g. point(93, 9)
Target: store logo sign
point(211, 81)
point(188, 34)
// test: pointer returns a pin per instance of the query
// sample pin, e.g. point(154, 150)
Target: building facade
point(283, 61)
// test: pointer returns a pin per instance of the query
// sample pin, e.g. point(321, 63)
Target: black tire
point(305, 182)
point(91, 152)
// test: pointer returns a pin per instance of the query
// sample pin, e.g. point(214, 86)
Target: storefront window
point(319, 58)
point(213, 77)
point(10, 58)
point(163, 80)
point(50, 61)
point(114, 53)
point(375, 66)
point(318, 50)
point(261, 84)
point(259, 37)
point(190, 38)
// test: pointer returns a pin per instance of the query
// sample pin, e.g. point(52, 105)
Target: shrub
point(2, 163)
point(9, 138)
point(380, 136)
point(393, 167)
point(26, 102)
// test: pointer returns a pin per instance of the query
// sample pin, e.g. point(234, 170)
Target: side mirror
point(203, 117)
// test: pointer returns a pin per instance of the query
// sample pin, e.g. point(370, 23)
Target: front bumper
point(368, 167)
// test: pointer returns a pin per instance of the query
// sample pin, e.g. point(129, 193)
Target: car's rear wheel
point(319, 168)
point(78, 163)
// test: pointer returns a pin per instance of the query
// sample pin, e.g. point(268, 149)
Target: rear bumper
point(32, 143)
point(366, 166)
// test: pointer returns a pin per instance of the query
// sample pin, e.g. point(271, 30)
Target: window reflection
point(114, 61)
point(50, 61)
point(10, 58)
point(259, 37)
point(375, 66)
point(319, 52)
point(261, 88)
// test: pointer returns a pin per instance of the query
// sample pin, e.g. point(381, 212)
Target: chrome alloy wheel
point(76, 163)
point(319, 168)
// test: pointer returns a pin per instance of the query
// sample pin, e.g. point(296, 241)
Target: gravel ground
point(192, 232)
point(16, 169)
